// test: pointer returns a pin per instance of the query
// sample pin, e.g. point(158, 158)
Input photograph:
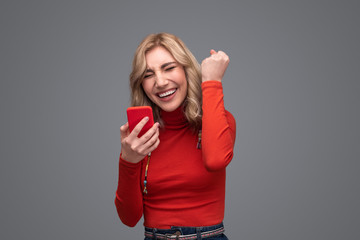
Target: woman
point(174, 174)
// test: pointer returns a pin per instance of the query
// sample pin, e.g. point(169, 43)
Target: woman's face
point(164, 81)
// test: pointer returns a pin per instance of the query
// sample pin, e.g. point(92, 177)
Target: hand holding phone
point(136, 114)
point(133, 147)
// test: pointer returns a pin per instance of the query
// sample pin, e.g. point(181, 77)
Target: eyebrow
point(162, 66)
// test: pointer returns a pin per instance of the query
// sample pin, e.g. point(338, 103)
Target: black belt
point(177, 234)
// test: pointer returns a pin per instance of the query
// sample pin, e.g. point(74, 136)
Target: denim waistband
point(184, 230)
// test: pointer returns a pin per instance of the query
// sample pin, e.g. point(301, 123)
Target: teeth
point(165, 94)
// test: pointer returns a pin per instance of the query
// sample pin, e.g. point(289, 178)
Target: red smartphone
point(136, 114)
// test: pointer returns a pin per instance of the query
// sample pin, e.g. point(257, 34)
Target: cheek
point(146, 85)
point(148, 90)
point(181, 79)
point(184, 88)
point(185, 83)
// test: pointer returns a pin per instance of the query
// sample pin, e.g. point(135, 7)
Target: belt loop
point(154, 232)
point(198, 233)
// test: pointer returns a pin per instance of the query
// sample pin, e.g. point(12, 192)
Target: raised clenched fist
point(214, 66)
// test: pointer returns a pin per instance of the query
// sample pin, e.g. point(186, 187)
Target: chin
point(169, 108)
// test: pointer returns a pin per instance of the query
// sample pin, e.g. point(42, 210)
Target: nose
point(160, 80)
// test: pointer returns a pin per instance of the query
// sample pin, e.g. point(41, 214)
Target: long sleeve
point(218, 128)
point(128, 200)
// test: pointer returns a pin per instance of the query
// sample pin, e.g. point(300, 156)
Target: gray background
point(292, 85)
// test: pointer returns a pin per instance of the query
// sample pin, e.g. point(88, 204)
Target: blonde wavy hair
point(192, 105)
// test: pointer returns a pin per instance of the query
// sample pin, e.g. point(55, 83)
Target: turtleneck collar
point(175, 119)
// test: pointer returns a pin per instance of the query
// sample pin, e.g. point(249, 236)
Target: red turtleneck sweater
point(186, 185)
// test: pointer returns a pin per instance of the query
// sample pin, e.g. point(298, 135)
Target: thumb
point(212, 51)
point(124, 131)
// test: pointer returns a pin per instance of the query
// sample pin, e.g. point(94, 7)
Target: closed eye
point(170, 68)
point(148, 75)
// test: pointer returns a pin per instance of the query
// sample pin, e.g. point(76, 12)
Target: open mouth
point(167, 93)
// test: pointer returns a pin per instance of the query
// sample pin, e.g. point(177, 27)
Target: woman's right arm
point(128, 200)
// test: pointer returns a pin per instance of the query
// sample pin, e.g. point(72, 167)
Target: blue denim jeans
point(188, 230)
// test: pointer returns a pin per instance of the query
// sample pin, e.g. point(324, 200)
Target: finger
point(153, 138)
point(223, 54)
point(212, 51)
point(135, 132)
point(151, 147)
point(150, 132)
point(155, 145)
point(147, 143)
point(124, 131)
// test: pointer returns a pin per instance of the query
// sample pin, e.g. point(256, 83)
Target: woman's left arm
point(218, 125)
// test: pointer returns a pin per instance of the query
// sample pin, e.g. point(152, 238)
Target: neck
point(175, 119)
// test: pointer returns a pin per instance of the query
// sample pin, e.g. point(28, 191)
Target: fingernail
point(146, 118)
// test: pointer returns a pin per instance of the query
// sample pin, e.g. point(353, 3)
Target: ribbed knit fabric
point(186, 185)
